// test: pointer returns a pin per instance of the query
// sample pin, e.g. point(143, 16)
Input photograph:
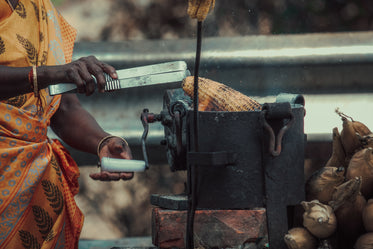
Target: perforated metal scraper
point(163, 73)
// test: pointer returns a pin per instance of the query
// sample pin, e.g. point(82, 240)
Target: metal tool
point(163, 73)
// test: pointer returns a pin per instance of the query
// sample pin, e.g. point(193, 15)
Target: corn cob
point(214, 96)
point(198, 9)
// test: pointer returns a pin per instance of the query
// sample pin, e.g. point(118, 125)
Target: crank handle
point(121, 165)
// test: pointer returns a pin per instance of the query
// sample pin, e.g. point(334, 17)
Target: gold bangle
point(106, 138)
point(35, 81)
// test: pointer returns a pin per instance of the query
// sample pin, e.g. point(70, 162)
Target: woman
point(38, 178)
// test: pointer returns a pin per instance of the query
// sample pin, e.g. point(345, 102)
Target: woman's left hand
point(114, 147)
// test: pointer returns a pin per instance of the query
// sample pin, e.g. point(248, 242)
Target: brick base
point(212, 228)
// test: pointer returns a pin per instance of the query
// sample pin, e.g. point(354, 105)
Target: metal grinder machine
point(250, 160)
point(245, 170)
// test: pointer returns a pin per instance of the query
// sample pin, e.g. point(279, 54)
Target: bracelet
point(33, 80)
point(106, 138)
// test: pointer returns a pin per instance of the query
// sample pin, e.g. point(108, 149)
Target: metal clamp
point(178, 110)
point(276, 111)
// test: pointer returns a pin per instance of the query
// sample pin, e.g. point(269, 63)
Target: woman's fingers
point(114, 147)
point(112, 176)
point(75, 77)
point(87, 78)
point(110, 70)
point(94, 67)
point(87, 72)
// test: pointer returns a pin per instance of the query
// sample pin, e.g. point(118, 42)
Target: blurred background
point(118, 20)
point(122, 209)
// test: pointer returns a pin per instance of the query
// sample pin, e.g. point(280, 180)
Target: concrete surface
point(135, 242)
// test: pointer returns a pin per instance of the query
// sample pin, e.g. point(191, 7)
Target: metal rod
point(196, 73)
point(145, 124)
point(192, 197)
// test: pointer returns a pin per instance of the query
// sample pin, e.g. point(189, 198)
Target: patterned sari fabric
point(38, 178)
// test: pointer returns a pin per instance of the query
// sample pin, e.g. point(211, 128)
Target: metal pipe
point(259, 65)
point(276, 50)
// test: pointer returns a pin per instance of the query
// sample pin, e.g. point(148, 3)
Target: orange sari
point(38, 178)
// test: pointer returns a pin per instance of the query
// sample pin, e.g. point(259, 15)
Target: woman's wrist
point(49, 75)
point(106, 139)
point(44, 78)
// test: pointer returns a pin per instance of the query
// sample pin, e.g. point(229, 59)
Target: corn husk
point(338, 157)
point(361, 164)
point(349, 139)
point(319, 219)
point(365, 241)
point(368, 216)
point(320, 186)
point(348, 204)
point(366, 141)
point(300, 238)
point(346, 192)
point(216, 96)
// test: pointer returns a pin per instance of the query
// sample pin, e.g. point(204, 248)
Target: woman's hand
point(80, 72)
point(14, 80)
point(113, 147)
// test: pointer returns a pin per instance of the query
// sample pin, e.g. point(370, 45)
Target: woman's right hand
point(80, 72)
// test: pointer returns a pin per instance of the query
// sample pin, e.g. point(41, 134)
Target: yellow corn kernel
point(215, 96)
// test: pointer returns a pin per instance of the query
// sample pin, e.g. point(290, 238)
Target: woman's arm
point(14, 80)
point(76, 127)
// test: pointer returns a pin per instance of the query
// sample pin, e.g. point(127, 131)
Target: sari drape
point(38, 177)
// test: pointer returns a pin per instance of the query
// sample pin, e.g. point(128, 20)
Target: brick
point(212, 228)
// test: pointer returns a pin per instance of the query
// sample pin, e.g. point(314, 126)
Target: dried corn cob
point(198, 9)
point(214, 96)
